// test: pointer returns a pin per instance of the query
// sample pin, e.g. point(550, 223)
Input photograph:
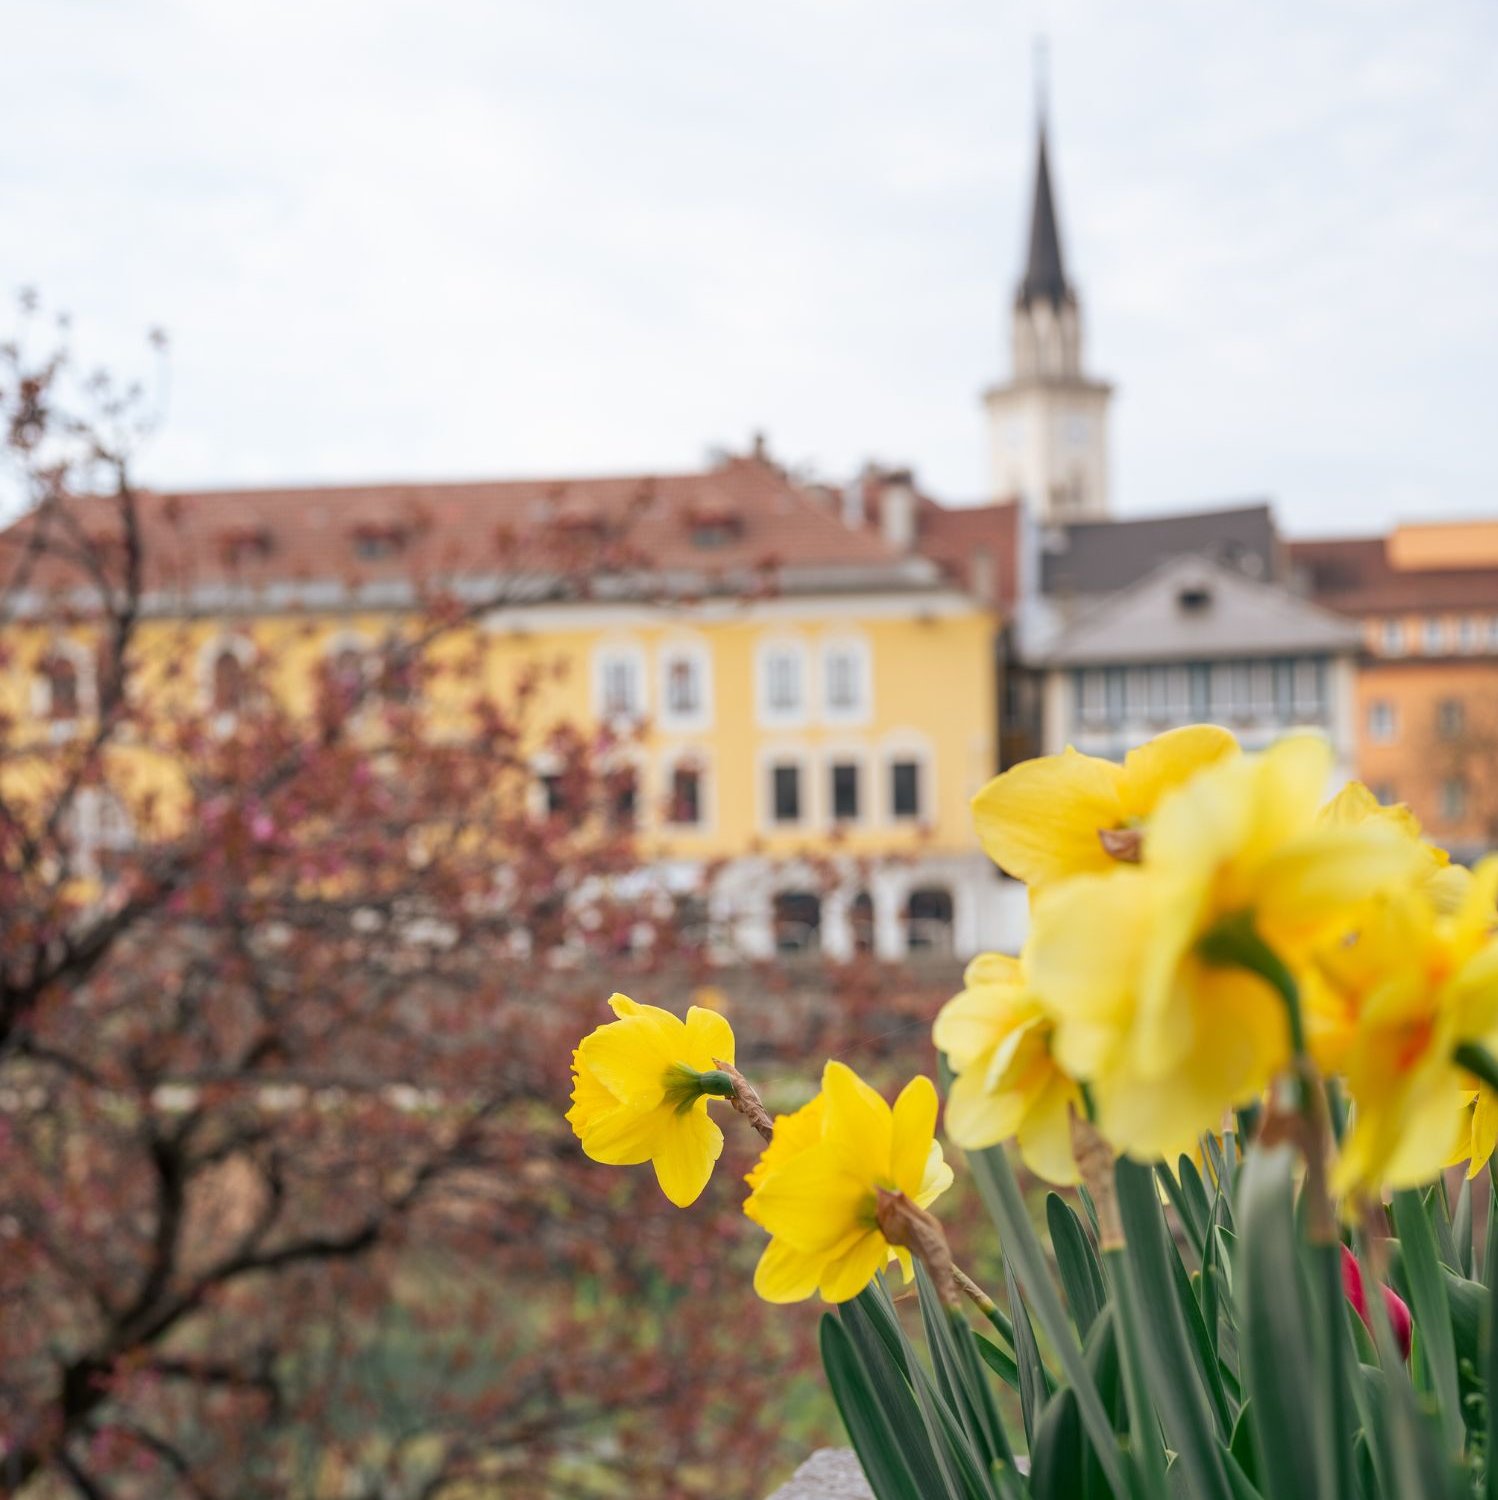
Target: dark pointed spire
point(1045, 278)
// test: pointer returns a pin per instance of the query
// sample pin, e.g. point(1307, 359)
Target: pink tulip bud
point(1394, 1305)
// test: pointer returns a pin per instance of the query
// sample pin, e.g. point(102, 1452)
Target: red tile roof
point(1353, 576)
point(743, 517)
point(957, 537)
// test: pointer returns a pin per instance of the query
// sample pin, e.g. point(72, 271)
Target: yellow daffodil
point(997, 1039)
point(1143, 968)
point(815, 1188)
point(1046, 819)
point(1479, 1135)
point(1443, 882)
point(639, 1095)
point(1421, 983)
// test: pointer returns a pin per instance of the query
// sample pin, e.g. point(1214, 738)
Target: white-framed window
point(1467, 633)
point(782, 682)
point(1309, 692)
point(1391, 637)
point(847, 680)
point(619, 682)
point(686, 789)
point(1261, 690)
point(1451, 718)
point(849, 789)
point(99, 830)
point(787, 792)
point(908, 775)
point(1453, 799)
point(226, 675)
point(63, 688)
point(686, 686)
point(1383, 722)
point(1432, 634)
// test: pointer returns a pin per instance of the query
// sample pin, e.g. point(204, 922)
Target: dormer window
point(1194, 599)
point(245, 544)
point(714, 526)
point(372, 543)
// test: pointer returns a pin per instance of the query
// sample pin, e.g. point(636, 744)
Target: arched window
point(861, 922)
point(928, 919)
point(681, 686)
point(798, 921)
point(60, 680)
point(230, 682)
point(347, 670)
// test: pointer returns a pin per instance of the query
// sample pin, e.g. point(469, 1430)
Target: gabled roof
point(1045, 275)
point(1355, 576)
point(1194, 609)
point(719, 530)
point(1086, 559)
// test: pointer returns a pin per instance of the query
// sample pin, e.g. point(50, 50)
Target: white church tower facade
point(1048, 426)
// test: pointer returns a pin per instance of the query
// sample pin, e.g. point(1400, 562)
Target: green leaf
point(1146, 1442)
point(960, 1379)
point(1077, 1264)
point(1034, 1387)
point(1195, 1194)
point(1056, 1453)
point(1242, 1444)
point(999, 1361)
point(882, 1442)
point(1006, 1206)
point(887, 1385)
point(1274, 1320)
point(1490, 1369)
point(1432, 1313)
point(1170, 1360)
point(1438, 1212)
point(1461, 1228)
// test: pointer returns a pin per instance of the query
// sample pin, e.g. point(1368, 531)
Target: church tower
point(1048, 426)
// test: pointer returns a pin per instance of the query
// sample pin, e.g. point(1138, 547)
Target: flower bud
point(1394, 1305)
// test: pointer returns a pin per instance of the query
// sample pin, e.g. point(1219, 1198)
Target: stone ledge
point(829, 1474)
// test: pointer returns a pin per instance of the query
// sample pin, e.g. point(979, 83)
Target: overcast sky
point(454, 239)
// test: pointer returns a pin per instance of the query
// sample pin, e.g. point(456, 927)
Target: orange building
point(1427, 689)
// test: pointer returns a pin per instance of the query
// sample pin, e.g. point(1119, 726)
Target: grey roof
point(1045, 277)
point(1194, 609)
point(1090, 558)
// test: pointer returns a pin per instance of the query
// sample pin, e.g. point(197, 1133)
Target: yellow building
point(791, 682)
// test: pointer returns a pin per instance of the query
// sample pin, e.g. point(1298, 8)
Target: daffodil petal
point(1170, 760)
point(849, 1273)
point(1039, 820)
point(785, 1274)
point(688, 1145)
point(913, 1126)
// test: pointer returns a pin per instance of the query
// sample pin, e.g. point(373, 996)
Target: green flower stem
point(1234, 943)
point(1476, 1058)
point(984, 1303)
point(717, 1083)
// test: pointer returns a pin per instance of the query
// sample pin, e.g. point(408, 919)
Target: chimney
point(855, 515)
point(897, 504)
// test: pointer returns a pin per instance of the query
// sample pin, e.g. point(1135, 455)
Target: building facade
point(793, 692)
point(1425, 599)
